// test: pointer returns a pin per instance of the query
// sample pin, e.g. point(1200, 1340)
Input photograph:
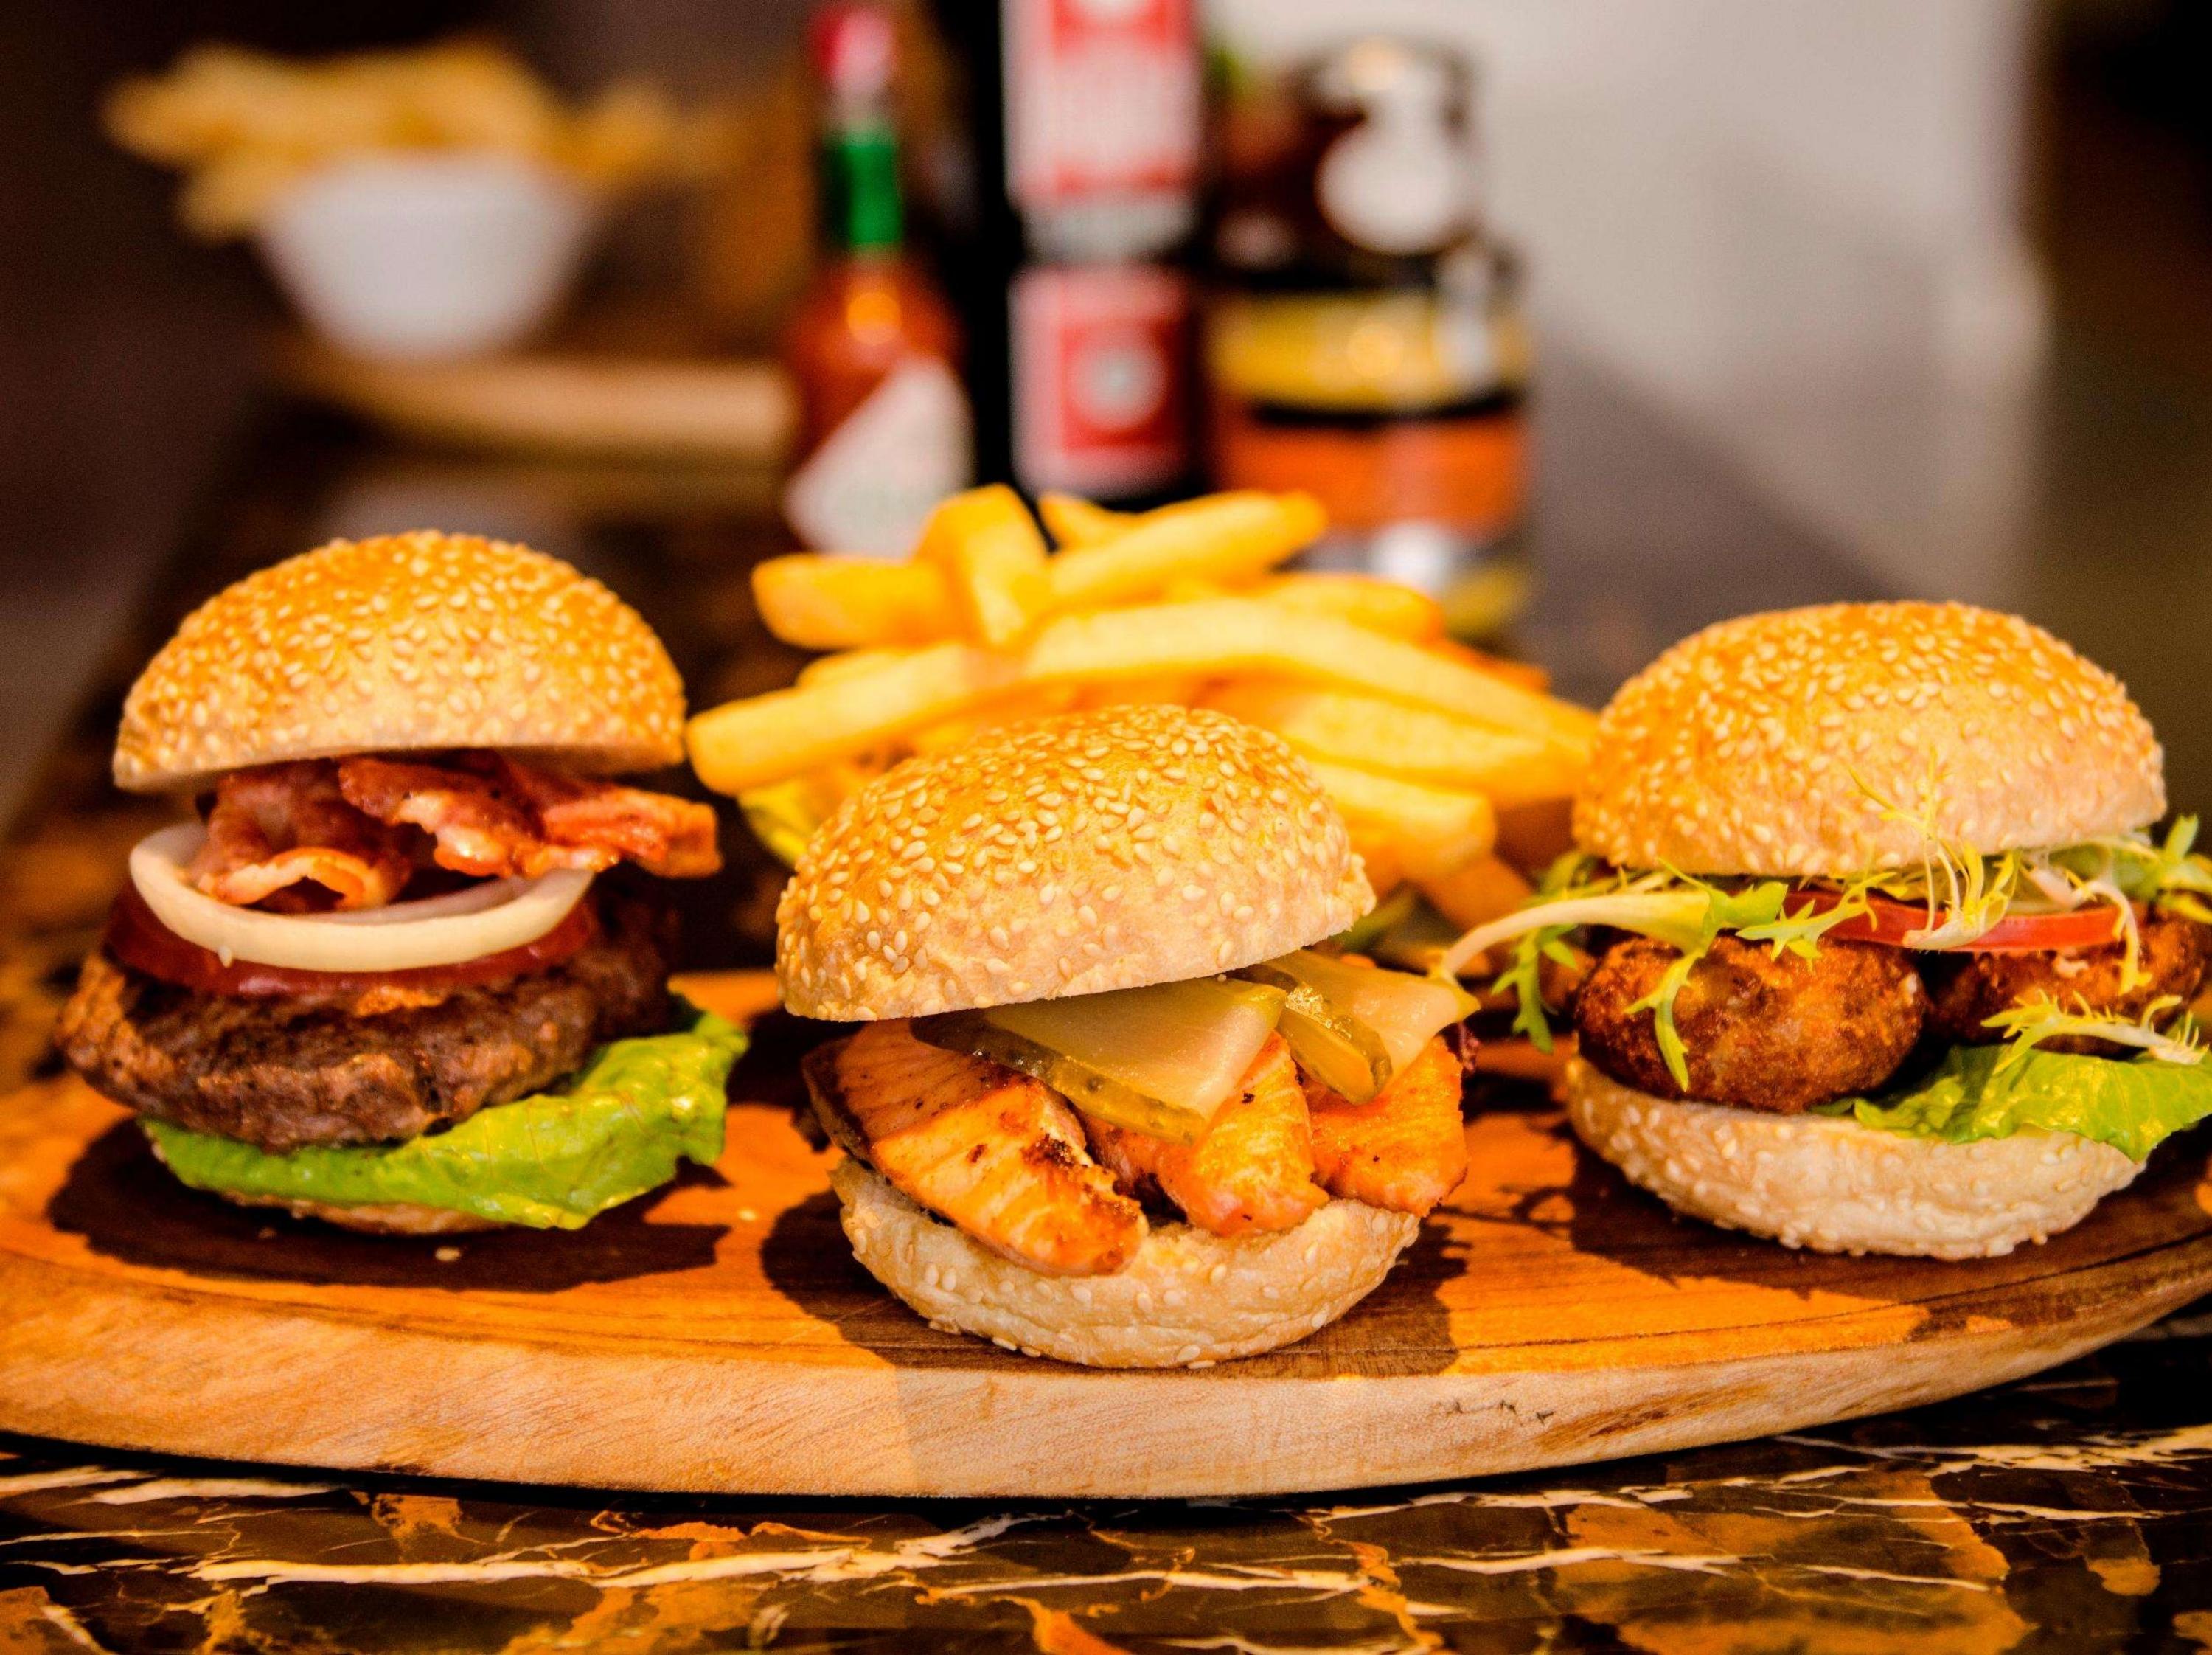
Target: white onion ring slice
point(462, 925)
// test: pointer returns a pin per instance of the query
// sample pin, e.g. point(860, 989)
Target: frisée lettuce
point(554, 1160)
point(1966, 895)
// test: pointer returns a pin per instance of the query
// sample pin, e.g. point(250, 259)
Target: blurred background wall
point(1801, 223)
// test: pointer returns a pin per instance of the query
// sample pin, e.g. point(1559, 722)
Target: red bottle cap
point(855, 49)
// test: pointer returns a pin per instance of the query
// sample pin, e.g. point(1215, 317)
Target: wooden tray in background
point(575, 404)
point(719, 1336)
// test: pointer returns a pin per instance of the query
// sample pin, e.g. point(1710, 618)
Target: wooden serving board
point(719, 1336)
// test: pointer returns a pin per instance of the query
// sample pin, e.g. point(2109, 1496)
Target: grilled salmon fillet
point(1000, 1155)
point(1252, 1171)
point(1406, 1149)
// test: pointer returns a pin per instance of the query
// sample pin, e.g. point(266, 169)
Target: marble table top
point(2067, 1511)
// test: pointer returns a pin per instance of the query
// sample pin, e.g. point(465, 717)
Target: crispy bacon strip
point(272, 829)
point(670, 837)
point(497, 818)
point(351, 826)
point(475, 828)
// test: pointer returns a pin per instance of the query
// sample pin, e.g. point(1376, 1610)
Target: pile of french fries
point(244, 125)
point(1425, 746)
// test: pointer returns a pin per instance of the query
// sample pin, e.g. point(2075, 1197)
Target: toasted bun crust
point(408, 641)
point(1753, 747)
point(1065, 856)
point(1189, 1298)
point(1837, 1187)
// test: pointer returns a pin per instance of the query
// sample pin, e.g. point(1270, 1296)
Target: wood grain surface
point(719, 1336)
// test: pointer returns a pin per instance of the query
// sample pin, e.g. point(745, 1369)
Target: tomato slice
point(139, 940)
point(1890, 922)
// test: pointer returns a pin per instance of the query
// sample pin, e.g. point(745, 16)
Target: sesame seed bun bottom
point(1835, 1186)
point(1187, 1300)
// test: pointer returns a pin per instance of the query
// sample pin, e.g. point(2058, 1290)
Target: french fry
point(1379, 605)
point(1477, 892)
point(987, 544)
point(1167, 689)
point(1451, 768)
point(260, 122)
point(1228, 635)
point(1221, 537)
point(1189, 589)
point(1075, 522)
point(821, 602)
point(963, 727)
point(1433, 833)
point(1526, 673)
point(828, 669)
point(1415, 743)
point(946, 734)
point(748, 744)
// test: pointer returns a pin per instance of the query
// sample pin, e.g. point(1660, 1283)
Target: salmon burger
point(1115, 1098)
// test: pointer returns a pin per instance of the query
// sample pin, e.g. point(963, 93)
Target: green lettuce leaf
point(551, 1162)
point(2133, 1104)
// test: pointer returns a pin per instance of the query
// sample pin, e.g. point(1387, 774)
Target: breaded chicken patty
point(1965, 990)
point(1761, 1031)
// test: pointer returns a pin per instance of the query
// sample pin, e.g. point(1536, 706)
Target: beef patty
point(1759, 1031)
point(285, 1073)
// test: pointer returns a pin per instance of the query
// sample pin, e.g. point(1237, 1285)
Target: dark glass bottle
point(1072, 237)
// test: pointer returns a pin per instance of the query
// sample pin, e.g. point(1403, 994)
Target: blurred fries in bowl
point(243, 125)
point(1431, 750)
point(428, 203)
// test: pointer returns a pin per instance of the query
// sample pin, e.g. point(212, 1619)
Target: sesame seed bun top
point(416, 641)
point(1065, 856)
point(1771, 744)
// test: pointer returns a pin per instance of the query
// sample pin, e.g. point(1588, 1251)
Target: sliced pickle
point(1091, 1092)
point(1336, 1049)
point(1375, 1023)
point(1159, 1060)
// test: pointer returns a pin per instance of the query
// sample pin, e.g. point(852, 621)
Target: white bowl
point(429, 255)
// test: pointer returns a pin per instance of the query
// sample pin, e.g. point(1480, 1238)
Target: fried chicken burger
point(1883, 956)
point(1115, 1098)
point(403, 972)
